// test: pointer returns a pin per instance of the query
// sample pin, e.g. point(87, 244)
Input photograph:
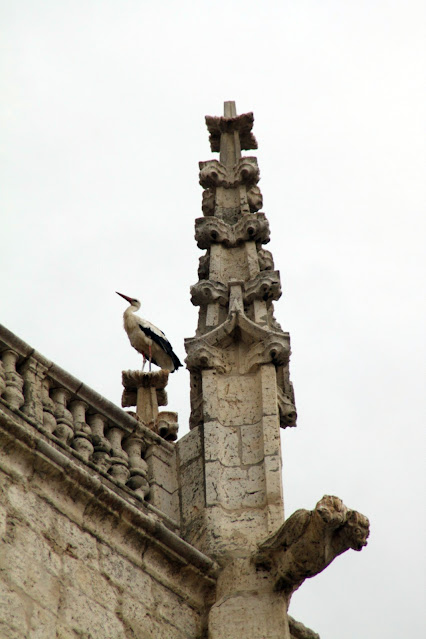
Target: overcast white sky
point(102, 118)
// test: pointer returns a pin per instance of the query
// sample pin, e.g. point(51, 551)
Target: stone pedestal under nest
point(147, 391)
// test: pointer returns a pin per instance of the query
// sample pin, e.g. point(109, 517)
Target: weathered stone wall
point(79, 560)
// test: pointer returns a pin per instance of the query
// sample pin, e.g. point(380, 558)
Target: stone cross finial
point(230, 182)
point(230, 147)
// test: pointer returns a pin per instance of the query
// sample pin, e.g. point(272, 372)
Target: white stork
point(147, 339)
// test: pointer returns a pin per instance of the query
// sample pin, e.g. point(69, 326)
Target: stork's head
point(132, 301)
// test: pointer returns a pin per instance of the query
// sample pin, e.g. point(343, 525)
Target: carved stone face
point(359, 528)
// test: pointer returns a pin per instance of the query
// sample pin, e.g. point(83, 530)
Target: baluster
point(101, 445)
point(64, 422)
point(119, 465)
point(14, 383)
point(49, 421)
point(82, 442)
point(2, 378)
point(33, 374)
point(134, 445)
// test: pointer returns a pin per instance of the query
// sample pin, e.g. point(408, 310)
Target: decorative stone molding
point(241, 124)
point(251, 201)
point(148, 391)
point(132, 380)
point(247, 172)
point(275, 349)
point(251, 227)
point(266, 286)
point(214, 174)
point(265, 346)
point(208, 292)
point(202, 355)
point(309, 541)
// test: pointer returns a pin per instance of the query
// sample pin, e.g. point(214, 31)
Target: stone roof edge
point(108, 495)
point(81, 390)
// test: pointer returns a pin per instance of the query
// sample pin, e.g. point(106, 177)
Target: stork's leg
point(144, 361)
point(150, 356)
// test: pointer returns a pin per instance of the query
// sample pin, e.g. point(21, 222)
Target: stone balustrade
point(78, 419)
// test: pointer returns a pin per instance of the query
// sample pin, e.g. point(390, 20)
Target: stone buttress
point(230, 462)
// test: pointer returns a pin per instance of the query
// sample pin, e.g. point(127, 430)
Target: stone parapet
point(75, 418)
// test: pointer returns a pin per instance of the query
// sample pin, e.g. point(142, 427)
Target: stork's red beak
point(129, 299)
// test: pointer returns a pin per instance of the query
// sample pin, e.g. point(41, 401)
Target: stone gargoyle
point(309, 540)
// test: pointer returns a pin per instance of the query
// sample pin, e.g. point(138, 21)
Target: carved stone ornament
point(208, 291)
point(204, 266)
point(209, 198)
point(300, 631)
point(265, 345)
point(241, 124)
point(266, 261)
point(265, 286)
point(202, 355)
point(275, 349)
point(309, 540)
point(254, 199)
point(211, 230)
point(132, 380)
point(287, 409)
point(213, 173)
point(167, 425)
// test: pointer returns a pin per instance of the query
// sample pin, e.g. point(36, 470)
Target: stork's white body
point(147, 339)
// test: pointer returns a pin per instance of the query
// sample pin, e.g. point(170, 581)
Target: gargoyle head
point(357, 530)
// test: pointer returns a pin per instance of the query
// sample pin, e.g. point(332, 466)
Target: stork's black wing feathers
point(164, 343)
